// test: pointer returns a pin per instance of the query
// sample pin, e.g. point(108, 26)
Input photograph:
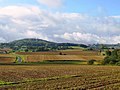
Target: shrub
point(118, 63)
point(91, 62)
point(60, 53)
point(109, 60)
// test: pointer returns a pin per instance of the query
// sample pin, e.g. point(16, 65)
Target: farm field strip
point(7, 55)
point(19, 73)
point(36, 58)
point(7, 58)
point(66, 55)
point(72, 82)
point(90, 81)
point(73, 52)
point(59, 77)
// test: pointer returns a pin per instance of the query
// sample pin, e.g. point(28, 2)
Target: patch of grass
point(76, 47)
point(64, 62)
point(24, 57)
point(3, 83)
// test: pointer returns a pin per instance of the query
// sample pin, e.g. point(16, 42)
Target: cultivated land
point(66, 55)
point(70, 56)
point(67, 52)
point(7, 58)
point(33, 58)
point(63, 77)
point(54, 71)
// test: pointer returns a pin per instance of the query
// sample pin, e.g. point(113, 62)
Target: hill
point(32, 44)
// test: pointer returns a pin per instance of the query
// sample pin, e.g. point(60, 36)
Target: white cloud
point(15, 11)
point(51, 3)
point(2, 40)
point(33, 34)
point(88, 38)
point(78, 37)
point(21, 22)
point(30, 21)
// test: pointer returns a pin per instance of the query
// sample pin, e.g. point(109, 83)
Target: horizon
point(60, 42)
point(88, 22)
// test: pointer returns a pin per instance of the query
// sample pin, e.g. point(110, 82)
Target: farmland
point(60, 77)
point(62, 55)
point(37, 58)
point(57, 70)
point(67, 52)
point(7, 58)
point(65, 55)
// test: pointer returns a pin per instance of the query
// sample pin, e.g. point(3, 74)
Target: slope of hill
point(30, 42)
point(38, 45)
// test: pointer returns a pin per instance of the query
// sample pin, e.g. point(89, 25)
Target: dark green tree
point(91, 62)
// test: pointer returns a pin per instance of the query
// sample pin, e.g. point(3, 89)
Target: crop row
point(69, 77)
point(81, 83)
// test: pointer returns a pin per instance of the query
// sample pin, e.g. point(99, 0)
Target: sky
point(73, 21)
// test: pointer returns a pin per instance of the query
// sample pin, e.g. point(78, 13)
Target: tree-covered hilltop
point(35, 45)
point(30, 42)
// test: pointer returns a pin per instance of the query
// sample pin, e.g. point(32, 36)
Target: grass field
point(54, 77)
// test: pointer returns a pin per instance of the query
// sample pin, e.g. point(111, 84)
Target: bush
point(91, 62)
point(118, 63)
point(108, 53)
point(60, 53)
point(109, 60)
point(112, 62)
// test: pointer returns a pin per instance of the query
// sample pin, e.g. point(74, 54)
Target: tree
point(108, 53)
point(91, 62)
point(114, 53)
point(60, 53)
point(26, 50)
point(112, 58)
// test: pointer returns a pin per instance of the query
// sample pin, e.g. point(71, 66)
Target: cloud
point(33, 34)
point(51, 3)
point(88, 38)
point(2, 40)
point(15, 11)
point(18, 22)
point(22, 22)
